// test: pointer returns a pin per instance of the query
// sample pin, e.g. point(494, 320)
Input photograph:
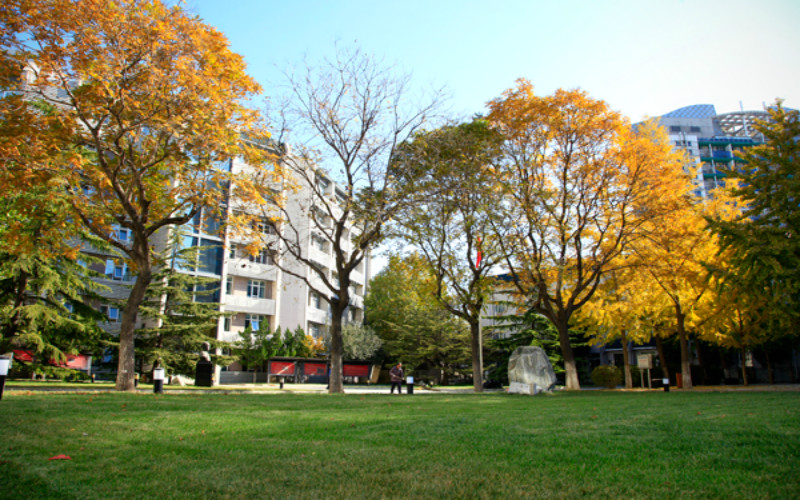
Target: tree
point(763, 238)
point(350, 114)
point(450, 226)
point(579, 182)
point(255, 348)
point(182, 313)
point(411, 323)
point(45, 291)
point(147, 106)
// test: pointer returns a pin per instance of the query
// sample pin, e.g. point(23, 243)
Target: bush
point(607, 376)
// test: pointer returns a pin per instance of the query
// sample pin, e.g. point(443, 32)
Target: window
point(694, 129)
point(264, 256)
point(226, 324)
point(112, 313)
point(254, 321)
point(232, 252)
point(117, 271)
point(264, 227)
point(229, 286)
point(256, 288)
point(314, 329)
point(319, 243)
point(674, 128)
point(210, 259)
point(123, 234)
point(315, 299)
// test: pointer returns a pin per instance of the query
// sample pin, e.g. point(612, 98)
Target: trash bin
point(679, 380)
point(410, 385)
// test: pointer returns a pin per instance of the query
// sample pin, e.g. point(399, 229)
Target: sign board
point(644, 361)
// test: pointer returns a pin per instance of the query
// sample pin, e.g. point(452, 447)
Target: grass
point(570, 445)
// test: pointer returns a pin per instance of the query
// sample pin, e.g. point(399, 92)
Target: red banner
point(74, 361)
point(282, 367)
point(355, 370)
point(315, 369)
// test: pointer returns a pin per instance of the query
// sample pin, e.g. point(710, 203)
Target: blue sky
point(643, 57)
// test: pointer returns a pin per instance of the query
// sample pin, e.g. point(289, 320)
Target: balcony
point(242, 303)
point(247, 269)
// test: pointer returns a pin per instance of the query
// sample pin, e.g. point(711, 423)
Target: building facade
point(711, 140)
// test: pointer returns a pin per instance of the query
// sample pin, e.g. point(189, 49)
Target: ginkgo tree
point(147, 104)
point(673, 252)
point(579, 182)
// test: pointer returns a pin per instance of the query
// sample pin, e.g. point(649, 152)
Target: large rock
point(530, 371)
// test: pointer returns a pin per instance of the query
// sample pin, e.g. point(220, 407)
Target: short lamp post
point(409, 385)
point(158, 381)
point(665, 383)
point(5, 363)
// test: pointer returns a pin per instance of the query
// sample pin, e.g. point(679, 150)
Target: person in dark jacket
point(397, 378)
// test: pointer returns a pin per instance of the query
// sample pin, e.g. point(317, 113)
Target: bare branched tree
point(344, 118)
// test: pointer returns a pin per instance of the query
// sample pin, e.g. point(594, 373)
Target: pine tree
point(45, 291)
point(183, 315)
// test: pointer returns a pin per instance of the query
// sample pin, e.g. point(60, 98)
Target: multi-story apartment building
point(289, 294)
point(711, 140)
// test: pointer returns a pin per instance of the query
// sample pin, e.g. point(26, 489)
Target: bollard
point(665, 382)
point(410, 385)
point(5, 363)
point(158, 381)
point(280, 380)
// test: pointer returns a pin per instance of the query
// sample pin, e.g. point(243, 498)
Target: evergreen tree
point(765, 239)
point(45, 291)
point(181, 314)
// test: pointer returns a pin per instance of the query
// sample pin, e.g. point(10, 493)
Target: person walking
point(397, 378)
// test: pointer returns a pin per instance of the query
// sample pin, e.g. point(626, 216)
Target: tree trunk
point(626, 361)
point(662, 358)
point(336, 385)
point(477, 375)
point(770, 372)
point(126, 369)
point(744, 367)
point(686, 369)
point(570, 367)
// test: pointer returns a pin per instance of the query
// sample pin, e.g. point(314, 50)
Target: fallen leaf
point(60, 457)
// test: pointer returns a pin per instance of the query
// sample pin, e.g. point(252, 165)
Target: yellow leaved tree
point(579, 183)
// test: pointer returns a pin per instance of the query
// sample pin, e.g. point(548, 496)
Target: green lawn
point(591, 444)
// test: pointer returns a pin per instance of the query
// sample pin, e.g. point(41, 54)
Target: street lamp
point(158, 381)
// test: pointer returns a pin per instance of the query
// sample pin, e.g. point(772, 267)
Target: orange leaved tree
point(144, 106)
point(579, 182)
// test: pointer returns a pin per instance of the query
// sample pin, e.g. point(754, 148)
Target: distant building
point(712, 140)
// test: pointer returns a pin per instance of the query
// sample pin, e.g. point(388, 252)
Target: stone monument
point(530, 371)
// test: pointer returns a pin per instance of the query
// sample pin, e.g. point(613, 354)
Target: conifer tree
point(182, 312)
point(765, 238)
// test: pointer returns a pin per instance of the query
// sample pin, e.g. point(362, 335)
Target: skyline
point(642, 58)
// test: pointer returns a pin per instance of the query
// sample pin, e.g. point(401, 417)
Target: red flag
point(478, 258)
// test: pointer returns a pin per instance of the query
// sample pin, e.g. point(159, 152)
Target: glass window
point(229, 285)
point(112, 313)
point(256, 288)
point(210, 259)
point(264, 256)
point(206, 293)
point(254, 321)
point(226, 324)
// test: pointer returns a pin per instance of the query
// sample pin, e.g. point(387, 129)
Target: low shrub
point(607, 376)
